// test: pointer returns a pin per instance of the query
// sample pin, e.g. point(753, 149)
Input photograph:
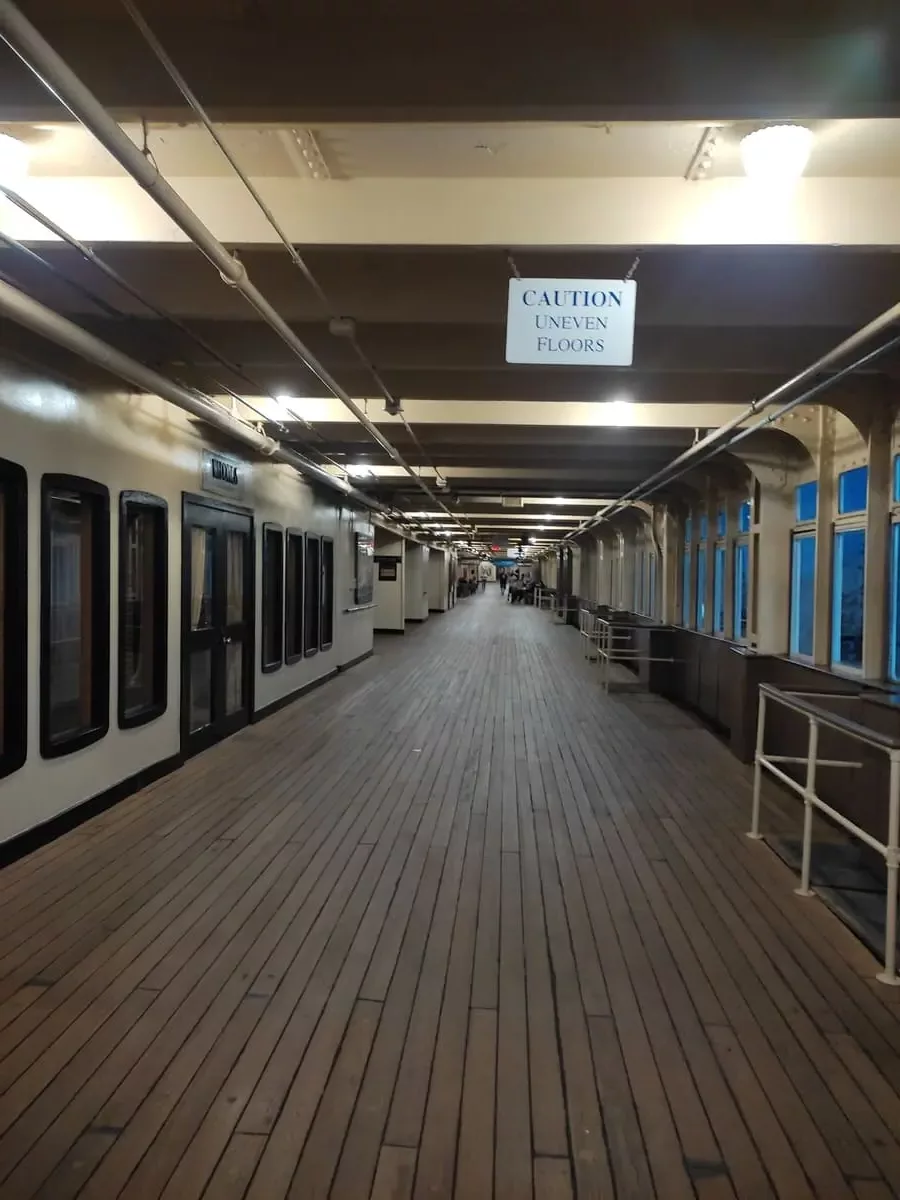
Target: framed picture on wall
point(364, 589)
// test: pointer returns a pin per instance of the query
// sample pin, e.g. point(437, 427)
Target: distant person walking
point(502, 580)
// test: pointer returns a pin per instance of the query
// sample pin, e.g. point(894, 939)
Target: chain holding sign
point(571, 322)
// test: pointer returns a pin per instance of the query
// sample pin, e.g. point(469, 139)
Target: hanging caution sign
point(571, 322)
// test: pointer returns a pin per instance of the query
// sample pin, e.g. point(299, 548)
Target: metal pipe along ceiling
point(49, 324)
point(729, 433)
point(393, 405)
point(55, 74)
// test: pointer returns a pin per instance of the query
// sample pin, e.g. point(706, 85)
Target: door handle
point(226, 641)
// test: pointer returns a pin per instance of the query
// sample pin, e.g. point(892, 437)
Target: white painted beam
point(612, 212)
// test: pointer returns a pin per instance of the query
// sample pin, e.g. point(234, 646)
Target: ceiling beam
point(492, 212)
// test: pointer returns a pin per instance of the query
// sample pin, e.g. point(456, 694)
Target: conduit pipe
point(44, 321)
point(59, 79)
point(393, 405)
point(719, 439)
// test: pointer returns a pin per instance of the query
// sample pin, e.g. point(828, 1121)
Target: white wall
point(438, 580)
point(127, 442)
point(416, 585)
point(390, 610)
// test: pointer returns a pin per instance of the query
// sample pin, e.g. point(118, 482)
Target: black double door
point(217, 623)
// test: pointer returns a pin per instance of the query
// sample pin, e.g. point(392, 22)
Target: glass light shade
point(778, 153)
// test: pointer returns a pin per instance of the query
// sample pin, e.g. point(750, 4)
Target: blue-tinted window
point(701, 588)
point(744, 517)
point(847, 597)
point(894, 632)
point(688, 529)
point(719, 590)
point(686, 589)
point(853, 490)
point(704, 528)
point(896, 487)
point(721, 523)
point(803, 588)
point(806, 499)
point(741, 588)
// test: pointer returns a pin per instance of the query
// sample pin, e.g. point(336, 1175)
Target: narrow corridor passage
point(454, 924)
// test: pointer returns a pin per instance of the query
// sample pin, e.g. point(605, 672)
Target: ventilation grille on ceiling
point(512, 502)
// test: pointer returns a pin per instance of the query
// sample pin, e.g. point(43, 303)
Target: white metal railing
point(817, 717)
point(606, 642)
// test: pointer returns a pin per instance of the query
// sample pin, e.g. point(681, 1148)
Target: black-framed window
point(143, 608)
point(272, 597)
point(74, 613)
point(326, 600)
point(13, 616)
point(293, 596)
point(312, 583)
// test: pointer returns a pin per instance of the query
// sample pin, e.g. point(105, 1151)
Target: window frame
point(323, 542)
point(805, 532)
point(741, 551)
point(850, 523)
point(720, 560)
point(268, 667)
point(700, 597)
point(293, 604)
point(14, 564)
point(892, 664)
point(160, 633)
point(101, 634)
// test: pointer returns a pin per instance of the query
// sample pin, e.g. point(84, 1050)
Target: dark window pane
point(142, 608)
point(806, 499)
point(326, 631)
point(701, 588)
point(704, 528)
point(235, 574)
point(311, 601)
point(200, 700)
point(719, 590)
point(202, 542)
point(293, 586)
point(853, 490)
point(894, 646)
point(721, 522)
point(686, 589)
point(744, 517)
point(847, 598)
point(741, 568)
point(273, 597)
point(76, 615)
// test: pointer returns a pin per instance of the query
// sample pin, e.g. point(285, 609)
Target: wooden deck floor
point(452, 925)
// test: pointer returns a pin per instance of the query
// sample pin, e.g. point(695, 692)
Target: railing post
point(809, 792)
point(757, 768)
point(892, 859)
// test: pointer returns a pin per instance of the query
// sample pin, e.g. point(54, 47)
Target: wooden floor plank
point(457, 924)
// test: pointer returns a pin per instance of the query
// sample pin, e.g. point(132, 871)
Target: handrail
point(854, 729)
point(605, 634)
point(819, 717)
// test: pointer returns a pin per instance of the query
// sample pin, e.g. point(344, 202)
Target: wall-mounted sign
point(571, 322)
point(387, 569)
point(223, 475)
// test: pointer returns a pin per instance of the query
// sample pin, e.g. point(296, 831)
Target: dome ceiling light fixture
point(776, 153)
point(14, 158)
